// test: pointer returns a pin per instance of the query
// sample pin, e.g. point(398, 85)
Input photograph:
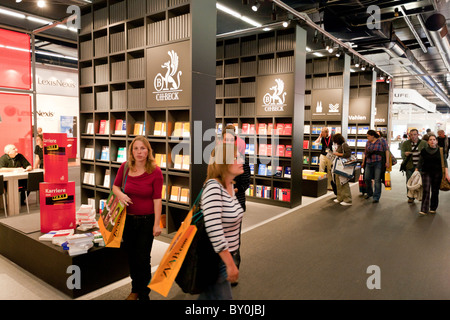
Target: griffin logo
point(275, 101)
point(168, 86)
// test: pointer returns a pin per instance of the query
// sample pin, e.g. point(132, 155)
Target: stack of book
point(79, 243)
point(181, 129)
point(121, 154)
point(182, 162)
point(139, 128)
point(104, 127)
point(56, 236)
point(89, 153)
point(282, 194)
point(263, 191)
point(85, 218)
point(160, 129)
point(179, 194)
point(160, 160)
point(121, 127)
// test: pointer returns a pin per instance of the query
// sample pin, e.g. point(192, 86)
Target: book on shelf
point(184, 195)
point(262, 150)
point(305, 160)
point(219, 128)
point(89, 153)
point(104, 155)
point(269, 171)
point(287, 172)
point(252, 128)
point(103, 129)
point(186, 129)
point(263, 191)
point(160, 160)
point(278, 172)
point(279, 129)
point(178, 161)
point(288, 152)
point(245, 128)
point(249, 148)
point(359, 155)
point(307, 129)
point(181, 129)
point(363, 130)
point(160, 129)
point(139, 129)
point(361, 142)
point(89, 127)
point(351, 142)
point(305, 144)
point(315, 160)
point(163, 192)
point(250, 191)
point(121, 154)
point(281, 150)
point(186, 162)
point(119, 127)
point(262, 169)
point(269, 150)
point(287, 129)
point(252, 168)
point(107, 178)
point(316, 146)
point(262, 128)
point(282, 194)
point(89, 178)
point(175, 193)
point(270, 128)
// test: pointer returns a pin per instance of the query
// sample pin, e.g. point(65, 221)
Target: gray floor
point(320, 250)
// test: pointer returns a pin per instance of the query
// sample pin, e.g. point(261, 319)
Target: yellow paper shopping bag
point(387, 180)
point(112, 222)
point(172, 260)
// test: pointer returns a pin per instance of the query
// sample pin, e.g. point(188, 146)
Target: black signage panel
point(359, 110)
point(326, 104)
point(169, 75)
point(275, 95)
point(381, 110)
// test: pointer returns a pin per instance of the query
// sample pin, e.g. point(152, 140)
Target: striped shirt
point(415, 154)
point(223, 215)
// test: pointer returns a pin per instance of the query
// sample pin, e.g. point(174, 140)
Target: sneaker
point(343, 203)
point(410, 200)
point(432, 211)
point(422, 214)
point(337, 201)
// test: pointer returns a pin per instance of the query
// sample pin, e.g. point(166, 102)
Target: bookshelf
point(247, 67)
point(122, 46)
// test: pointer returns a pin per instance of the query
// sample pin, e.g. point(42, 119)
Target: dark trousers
point(138, 241)
point(430, 184)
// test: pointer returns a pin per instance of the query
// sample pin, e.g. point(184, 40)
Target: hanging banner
point(169, 75)
point(275, 95)
point(326, 104)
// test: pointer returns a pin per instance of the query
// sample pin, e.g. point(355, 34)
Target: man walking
point(410, 154)
point(443, 142)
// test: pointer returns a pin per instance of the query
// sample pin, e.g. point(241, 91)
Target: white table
point(12, 178)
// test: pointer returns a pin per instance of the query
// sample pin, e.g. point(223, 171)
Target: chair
point(34, 178)
point(2, 192)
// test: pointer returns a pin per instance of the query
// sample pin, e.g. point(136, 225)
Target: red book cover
point(288, 152)
point(252, 129)
point(280, 128)
point(280, 150)
point(262, 149)
point(57, 206)
point(262, 128)
point(55, 157)
point(305, 144)
point(287, 129)
point(270, 128)
point(102, 129)
point(245, 128)
point(269, 150)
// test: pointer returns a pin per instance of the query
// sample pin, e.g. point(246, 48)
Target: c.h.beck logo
point(275, 101)
point(168, 86)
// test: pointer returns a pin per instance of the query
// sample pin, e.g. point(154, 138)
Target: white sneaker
point(337, 201)
point(343, 203)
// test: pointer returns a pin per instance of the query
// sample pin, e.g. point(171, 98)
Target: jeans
point(221, 290)
point(138, 241)
point(431, 182)
point(373, 171)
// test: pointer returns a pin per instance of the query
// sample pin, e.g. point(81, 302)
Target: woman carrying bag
point(222, 215)
point(343, 193)
point(431, 165)
point(375, 162)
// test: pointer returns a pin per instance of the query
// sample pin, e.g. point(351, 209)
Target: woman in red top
point(142, 196)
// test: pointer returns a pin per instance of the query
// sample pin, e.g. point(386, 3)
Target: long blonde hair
point(150, 165)
point(222, 156)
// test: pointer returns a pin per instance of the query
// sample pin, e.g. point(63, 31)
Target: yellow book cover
point(158, 129)
point(184, 195)
point(178, 130)
point(186, 162)
point(175, 193)
point(158, 158)
point(178, 161)
point(186, 129)
point(163, 192)
point(163, 161)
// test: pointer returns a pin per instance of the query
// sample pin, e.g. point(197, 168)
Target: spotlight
point(256, 6)
point(338, 53)
point(18, 1)
point(356, 63)
point(363, 67)
point(41, 3)
point(285, 24)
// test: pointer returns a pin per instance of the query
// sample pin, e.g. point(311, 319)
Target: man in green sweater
point(410, 154)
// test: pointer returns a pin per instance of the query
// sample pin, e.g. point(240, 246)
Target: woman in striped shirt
point(223, 214)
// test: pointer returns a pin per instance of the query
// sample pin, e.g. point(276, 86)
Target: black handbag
point(200, 267)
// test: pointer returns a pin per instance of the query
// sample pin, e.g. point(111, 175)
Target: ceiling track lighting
point(256, 6)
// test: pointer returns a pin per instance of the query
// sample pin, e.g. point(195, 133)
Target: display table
point(314, 188)
point(12, 180)
point(19, 242)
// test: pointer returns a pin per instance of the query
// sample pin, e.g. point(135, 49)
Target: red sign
point(55, 157)
point(57, 206)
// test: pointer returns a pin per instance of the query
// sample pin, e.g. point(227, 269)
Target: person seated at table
point(11, 161)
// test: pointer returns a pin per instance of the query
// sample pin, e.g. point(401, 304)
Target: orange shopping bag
point(172, 260)
point(387, 180)
point(112, 221)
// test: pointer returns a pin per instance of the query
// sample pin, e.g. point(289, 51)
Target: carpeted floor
point(324, 250)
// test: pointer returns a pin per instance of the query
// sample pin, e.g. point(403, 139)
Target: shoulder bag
point(445, 185)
